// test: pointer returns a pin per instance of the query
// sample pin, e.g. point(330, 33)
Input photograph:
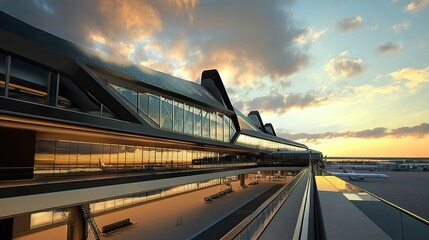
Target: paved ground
point(409, 190)
point(221, 228)
point(158, 220)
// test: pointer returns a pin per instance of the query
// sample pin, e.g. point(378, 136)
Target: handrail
point(272, 205)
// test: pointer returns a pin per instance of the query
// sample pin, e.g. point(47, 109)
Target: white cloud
point(344, 67)
point(344, 54)
point(397, 28)
point(350, 24)
point(310, 36)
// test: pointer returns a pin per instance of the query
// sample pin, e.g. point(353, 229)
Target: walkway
point(222, 227)
point(282, 226)
point(179, 217)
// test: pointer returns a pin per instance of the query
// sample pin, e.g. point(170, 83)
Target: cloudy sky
point(349, 78)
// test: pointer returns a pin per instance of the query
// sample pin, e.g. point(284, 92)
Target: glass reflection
point(166, 121)
point(189, 119)
point(45, 218)
point(213, 129)
point(28, 82)
point(205, 124)
point(178, 117)
point(154, 108)
point(2, 74)
point(253, 142)
point(143, 103)
point(65, 157)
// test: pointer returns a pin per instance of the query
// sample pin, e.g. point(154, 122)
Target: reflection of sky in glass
point(335, 184)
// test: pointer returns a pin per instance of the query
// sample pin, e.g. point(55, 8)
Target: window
point(213, 125)
point(219, 130)
point(72, 97)
point(178, 117)
point(128, 94)
point(28, 82)
point(44, 158)
point(232, 130)
point(197, 120)
point(143, 103)
point(2, 74)
point(189, 119)
point(154, 108)
point(226, 128)
point(205, 124)
point(166, 121)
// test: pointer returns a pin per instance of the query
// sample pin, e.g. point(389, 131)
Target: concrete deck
point(342, 219)
point(158, 219)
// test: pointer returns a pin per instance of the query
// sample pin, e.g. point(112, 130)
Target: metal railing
point(252, 226)
point(395, 221)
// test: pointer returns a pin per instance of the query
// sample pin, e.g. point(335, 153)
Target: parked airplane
point(358, 176)
point(114, 168)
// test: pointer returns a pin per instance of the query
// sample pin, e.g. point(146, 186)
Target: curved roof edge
point(211, 80)
point(34, 44)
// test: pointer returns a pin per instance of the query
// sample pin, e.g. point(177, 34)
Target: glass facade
point(166, 121)
point(35, 84)
point(28, 82)
point(2, 74)
point(188, 119)
point(264, 144)
point(205, 124)
point(177, 116)
point(143, 103)
point(198, 115)
point(128, 94)
point(67, 157)
point(219, 128)
point(154, 108)
point(72, 97)
point(213, 120)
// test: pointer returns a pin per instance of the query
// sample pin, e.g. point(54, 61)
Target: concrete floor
point(408, 190)
point(158, 219)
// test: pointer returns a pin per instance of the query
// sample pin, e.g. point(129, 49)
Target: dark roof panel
point(90, 57)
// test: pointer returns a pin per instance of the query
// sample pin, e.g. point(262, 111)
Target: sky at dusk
point(348, 78)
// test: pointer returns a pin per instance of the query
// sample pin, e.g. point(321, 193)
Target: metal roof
point(88, 56)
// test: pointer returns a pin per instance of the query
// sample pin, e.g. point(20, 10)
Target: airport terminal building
point(67, 111)
point(82, 135)
point(73, 111)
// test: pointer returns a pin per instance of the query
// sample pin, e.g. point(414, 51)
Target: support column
point(6, 229)
point(241, 177)
point(76, 225)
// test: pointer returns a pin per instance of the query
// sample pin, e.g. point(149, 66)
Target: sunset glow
point(348, 78)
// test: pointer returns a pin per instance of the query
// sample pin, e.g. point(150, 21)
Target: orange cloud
point(413, 78)
point(418, 131)
point(136, 19)
point(416, 5)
